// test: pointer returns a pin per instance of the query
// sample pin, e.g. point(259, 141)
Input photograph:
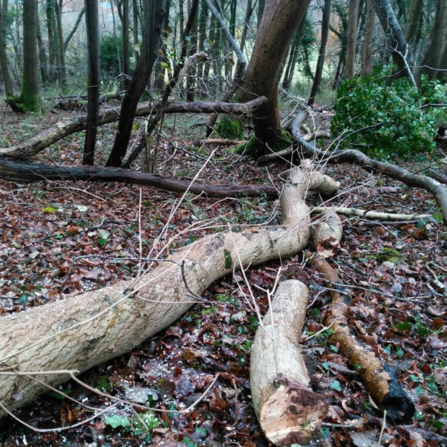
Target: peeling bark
point(381, 380)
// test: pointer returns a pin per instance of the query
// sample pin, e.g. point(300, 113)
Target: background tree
point(351, 38)
point(153, 13)
point(280, 20)
point(3, 57)
point(92, 25)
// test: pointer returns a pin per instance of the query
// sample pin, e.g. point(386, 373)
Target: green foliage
point(108, 54)
point(230, 128)
point(385, 120)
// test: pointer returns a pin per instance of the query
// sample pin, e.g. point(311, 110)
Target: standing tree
point(92, 25)
point(279, 22)
point(29, 99)
point(3, 58)
point(125, 34)
point(153, 13)
point(367, 40)
point(324, 35)
point(351, 38)
point(432, 57)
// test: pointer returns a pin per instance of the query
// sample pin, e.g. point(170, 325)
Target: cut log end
point(292, 415)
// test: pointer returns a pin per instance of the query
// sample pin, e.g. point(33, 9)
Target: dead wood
point(438, 190)
point(439, 176)
point(369, 214)
point(327, 233)
point(218, 142)
point(82, 331)
point(17, 171)
point(69, 126)
point(288, 410)
point(381, 380)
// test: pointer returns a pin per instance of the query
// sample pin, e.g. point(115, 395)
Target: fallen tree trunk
point(327, 234)
point(69, 126)
point(83, 331)
point(438, 190)
point(369, 214)
point(381, 380)
point(12, 170)
point(287, 409)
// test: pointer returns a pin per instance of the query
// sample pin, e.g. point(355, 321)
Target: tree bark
point(3, 57)
point(153, 12)
point(74, 29)
point(395, 36)
point(66, 127)
point(42, 55)
point(25, 172)
point(287, 409)
point(367, 41)
point(83, 331)
point(351, 38)
point(29, 97)
point(321, 55)
point(432, 57)
point(380, 379)
point(327, 233)
point(125, 36)
point(279, 22)
point(92, 25)
point(60, 44)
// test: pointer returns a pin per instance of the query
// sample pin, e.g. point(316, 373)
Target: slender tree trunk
point(52, 42)
point(92, 25)
point(125, 36)
point(136, 40)
point(29, 97)
point(190, 80)
point(395, 36)
point(279, 23)
point(433, 55)
point(153, 13)
point(115, 36)
point(42, 54)
point(367, 41)
point(351, 38)
point(3, 57)
point(248, 13)
point(290, 68)
point(324, 35)
point(203, 18)
point(74, 29)
point(413, 22)
point(233, 9)
point(60, 44)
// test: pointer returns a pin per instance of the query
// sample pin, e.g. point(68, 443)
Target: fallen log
point(381, 380)
point(369, 214)
point(327, 233)
point(438, 190)
point(437, 175)
point(17, 171)
point(83, 331)
point(287, 409)
point(69, 126)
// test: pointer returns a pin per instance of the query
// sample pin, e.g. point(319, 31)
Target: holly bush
point(386, 119)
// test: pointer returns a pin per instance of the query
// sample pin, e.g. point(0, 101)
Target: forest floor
point(59, 239)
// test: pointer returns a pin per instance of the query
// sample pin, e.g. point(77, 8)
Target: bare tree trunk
point(293, 56)
point(395, 36)
point(136, 40)
point(279, 22)
point(42, 54)
point(74, 29)
point(29, 97)
point(261, 7)
point(3, 57)
point(125, 36)
point(52, 42)
point(351, 39)
point(320, 64)
point(82, 331)
point(118, 52)
point(153, 13)
point(92, 24)
point(367, 41)
point(433, 55)
point(60, 45)
point(190, 80)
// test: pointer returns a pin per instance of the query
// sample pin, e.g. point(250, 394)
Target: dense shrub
point(108, 55)
point(385, 120)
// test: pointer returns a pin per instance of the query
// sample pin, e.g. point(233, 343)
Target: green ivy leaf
point(117, 420)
